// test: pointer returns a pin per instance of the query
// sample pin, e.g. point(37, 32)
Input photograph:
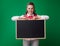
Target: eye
point(31, 8)
point(28, 8)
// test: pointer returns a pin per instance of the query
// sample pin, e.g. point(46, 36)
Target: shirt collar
point(30, 15)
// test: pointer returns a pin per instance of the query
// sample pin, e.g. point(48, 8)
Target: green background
point(9, 8)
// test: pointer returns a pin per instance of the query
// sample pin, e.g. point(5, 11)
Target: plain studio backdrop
point(9, 8)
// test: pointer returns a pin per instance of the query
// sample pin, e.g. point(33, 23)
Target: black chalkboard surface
point(30, 29)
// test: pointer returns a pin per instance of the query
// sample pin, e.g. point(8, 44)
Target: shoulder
point(38, 15)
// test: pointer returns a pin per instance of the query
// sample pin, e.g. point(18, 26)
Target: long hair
point(31, 3)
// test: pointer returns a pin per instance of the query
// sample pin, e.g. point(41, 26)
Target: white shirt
point(42, 17)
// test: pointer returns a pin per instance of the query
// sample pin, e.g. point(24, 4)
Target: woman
point(30, 15)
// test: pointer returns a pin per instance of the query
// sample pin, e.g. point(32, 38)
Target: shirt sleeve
point(43, 17)
point(14, 18)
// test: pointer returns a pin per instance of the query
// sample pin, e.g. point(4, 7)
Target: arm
point(42, 17)
point(14, 18)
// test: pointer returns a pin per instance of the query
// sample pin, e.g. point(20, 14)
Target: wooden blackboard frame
point(34, 38)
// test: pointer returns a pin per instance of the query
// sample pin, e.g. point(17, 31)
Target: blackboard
point(30, 29)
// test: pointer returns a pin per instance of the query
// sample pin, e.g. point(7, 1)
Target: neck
point(29, 14)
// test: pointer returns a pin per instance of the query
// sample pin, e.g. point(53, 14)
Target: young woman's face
point(30, 9)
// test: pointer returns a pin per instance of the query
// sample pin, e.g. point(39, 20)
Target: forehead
point(29, 6)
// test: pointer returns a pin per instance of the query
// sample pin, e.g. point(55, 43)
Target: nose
point(31, 9)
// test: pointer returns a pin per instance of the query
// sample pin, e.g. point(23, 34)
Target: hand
point(22, 18)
